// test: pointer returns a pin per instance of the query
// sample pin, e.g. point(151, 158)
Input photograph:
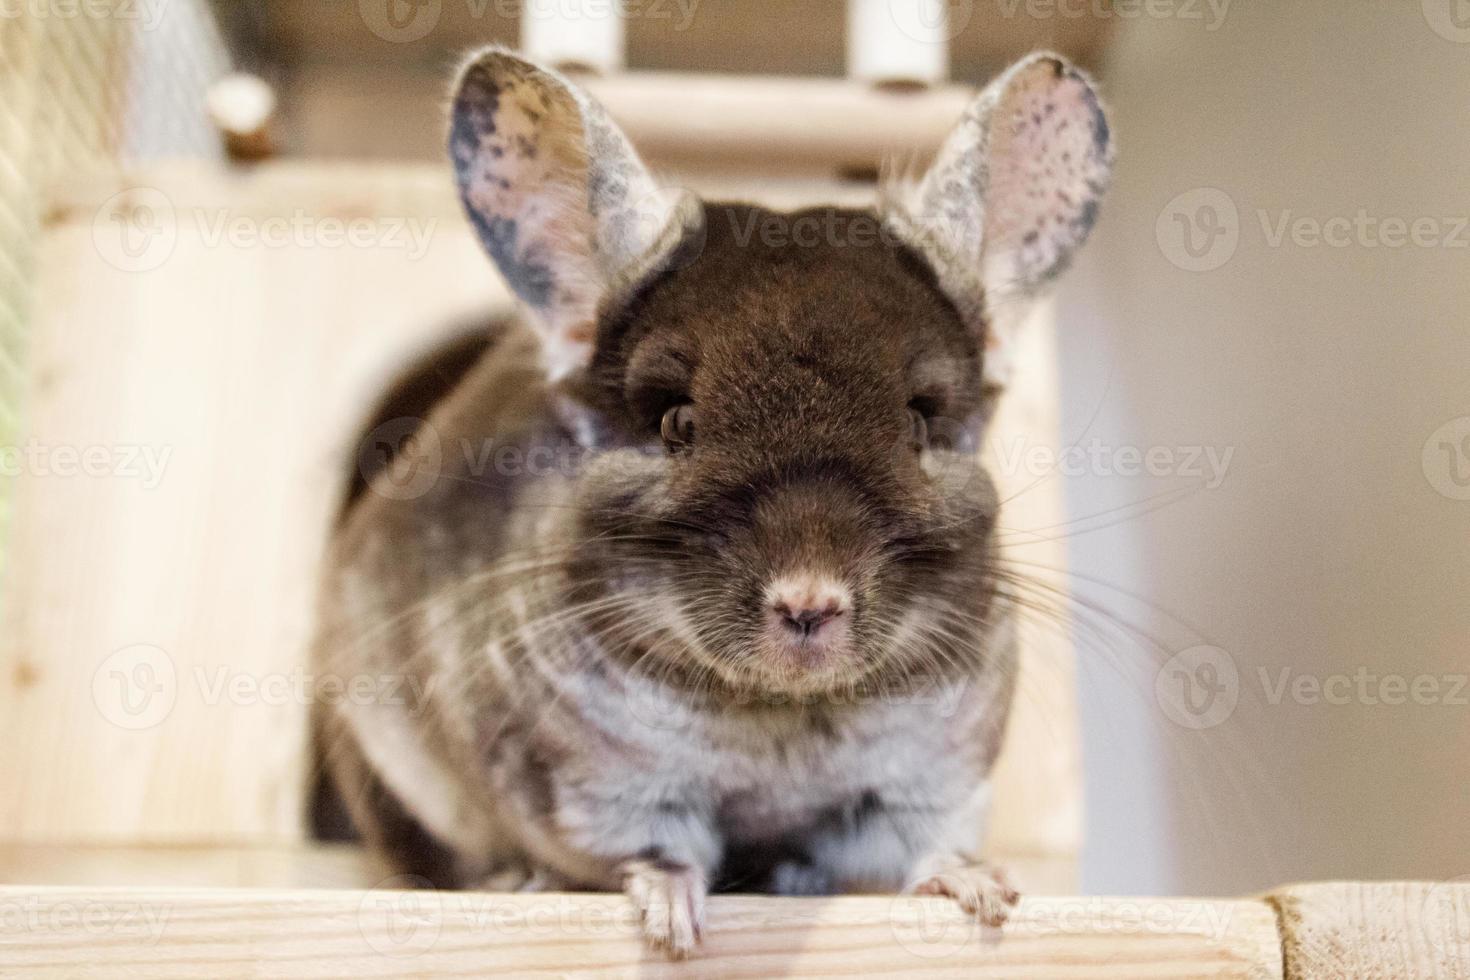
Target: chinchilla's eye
point(677, 427)
point(918, 429)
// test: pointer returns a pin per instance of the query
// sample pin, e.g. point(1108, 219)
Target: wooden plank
point(685, 123)
point(758, 123)
point(1375, 929)
point(386, 933)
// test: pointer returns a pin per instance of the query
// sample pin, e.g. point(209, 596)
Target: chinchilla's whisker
point(1126, 512)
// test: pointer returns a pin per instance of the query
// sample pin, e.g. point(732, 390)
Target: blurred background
point(1263, 357)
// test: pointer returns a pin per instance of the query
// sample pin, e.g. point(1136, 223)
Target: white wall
point(1327, 547)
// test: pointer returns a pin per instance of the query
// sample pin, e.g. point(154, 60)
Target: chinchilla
point(695, 574)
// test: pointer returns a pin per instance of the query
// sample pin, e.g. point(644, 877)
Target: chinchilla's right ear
point(1010, 199)
point(558, 196)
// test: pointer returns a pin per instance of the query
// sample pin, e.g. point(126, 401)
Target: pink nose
point(805, 622)
point(804, 606)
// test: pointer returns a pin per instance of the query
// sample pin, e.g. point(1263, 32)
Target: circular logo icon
point(136, 230)
point(401, 916)
point(1198, 688)
point(1446, 917)
point(950, 457)
point(401, 21)
point(1446, 459)
point(1199, 230)
point(933, 928)
point(653, 705)
point(402, 458)
point(932, 21)
point(1450, 19)
point(136, 687)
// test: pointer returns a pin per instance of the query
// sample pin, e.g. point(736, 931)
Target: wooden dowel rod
point(579, 36)
point(897, 43)
point(762, 122)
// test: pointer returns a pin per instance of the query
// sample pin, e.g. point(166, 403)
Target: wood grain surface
point(384, 933)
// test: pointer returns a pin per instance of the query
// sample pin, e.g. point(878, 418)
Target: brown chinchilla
point(695, 569)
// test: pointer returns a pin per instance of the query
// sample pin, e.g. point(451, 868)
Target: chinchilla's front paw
point(670, 898)
point(983, 890)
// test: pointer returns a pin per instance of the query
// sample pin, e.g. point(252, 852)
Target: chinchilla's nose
point(806, 607)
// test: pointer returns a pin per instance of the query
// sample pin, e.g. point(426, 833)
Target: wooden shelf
point(163, 933)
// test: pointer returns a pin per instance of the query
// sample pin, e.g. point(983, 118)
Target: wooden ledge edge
point(194, 932)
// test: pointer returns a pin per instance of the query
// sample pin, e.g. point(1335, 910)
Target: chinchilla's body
point(695, 575)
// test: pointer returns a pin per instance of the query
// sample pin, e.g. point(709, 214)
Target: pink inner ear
point(532, 169)
point(557, 195)
point(520, 152)
point(1049, 163)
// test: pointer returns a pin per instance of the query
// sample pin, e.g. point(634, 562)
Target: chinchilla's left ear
point(559, 198)
point(1013, 193)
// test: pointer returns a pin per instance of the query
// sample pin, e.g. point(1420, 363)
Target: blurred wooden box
point(208, 346)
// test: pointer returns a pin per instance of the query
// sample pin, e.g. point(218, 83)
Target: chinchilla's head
point(783, 409)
